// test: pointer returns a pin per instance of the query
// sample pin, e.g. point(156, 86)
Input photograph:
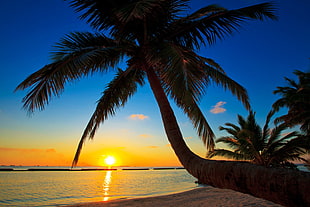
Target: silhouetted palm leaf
point(296, 97)
point(268, 147)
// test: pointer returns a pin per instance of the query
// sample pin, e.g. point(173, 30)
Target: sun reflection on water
point(106, 185)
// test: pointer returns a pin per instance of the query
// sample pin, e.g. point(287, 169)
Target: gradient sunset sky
point(258, 57)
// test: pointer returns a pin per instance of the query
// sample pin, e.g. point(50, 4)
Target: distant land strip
point(89, 169)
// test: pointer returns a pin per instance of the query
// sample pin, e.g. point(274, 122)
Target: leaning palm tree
point(262, 146)
point(159, 45)
point(296, 97)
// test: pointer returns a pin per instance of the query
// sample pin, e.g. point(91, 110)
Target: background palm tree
point(261, 146)
point(159, 45)
point(296, 97)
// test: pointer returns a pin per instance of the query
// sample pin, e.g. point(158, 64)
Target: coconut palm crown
point(296, 97)
point(155, 41)
point(261, 146)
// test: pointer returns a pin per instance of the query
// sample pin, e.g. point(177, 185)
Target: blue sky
point(258, 57)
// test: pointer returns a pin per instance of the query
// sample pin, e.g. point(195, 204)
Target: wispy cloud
point(27, 150)
point(152, 147)
point(50, 150)
point(188, 137)
point(218, 108)
point(32, 156)
point(138, 117)
point(145, 135)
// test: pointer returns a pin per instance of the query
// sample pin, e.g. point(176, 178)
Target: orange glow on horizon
point(93, 155)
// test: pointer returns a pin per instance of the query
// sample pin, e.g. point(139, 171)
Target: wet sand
point(200, 197)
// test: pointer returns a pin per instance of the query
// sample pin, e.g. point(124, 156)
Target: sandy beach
point(200, 197)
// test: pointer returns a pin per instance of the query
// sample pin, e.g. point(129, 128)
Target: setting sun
point(109, 160)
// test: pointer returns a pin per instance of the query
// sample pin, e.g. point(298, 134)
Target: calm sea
point(22, 187)
point(56, 188)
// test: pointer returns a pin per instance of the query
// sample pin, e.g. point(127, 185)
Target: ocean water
point(22, 187)
point(57, 188)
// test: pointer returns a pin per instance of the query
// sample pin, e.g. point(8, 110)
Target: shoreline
point(200, 197)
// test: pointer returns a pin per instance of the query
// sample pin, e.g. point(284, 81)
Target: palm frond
point(275, 135)
point(266, 129)
point(234, 130)
point(231, 141)
point(204, 11)
point(253, 133)
point(296, 98)
point(242, 122)
point(78, 55)
point(44, 84)
point(185, 77)
point(213, 64)
point(177, 68)
point(259, 11)
point(227, 154)
point(227, 83)
point(184, 85)
point(123, 19)
point(276, 141)
point(182, 72)
point(117, 93)
point(199, 121)
point(99, 14)
point(138, 17)
point(235, 127)
point(213, 22)
point(292, 150)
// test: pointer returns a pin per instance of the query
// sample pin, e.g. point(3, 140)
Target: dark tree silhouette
point(159, 45)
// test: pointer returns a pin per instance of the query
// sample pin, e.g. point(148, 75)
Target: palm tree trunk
point(286, 187)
